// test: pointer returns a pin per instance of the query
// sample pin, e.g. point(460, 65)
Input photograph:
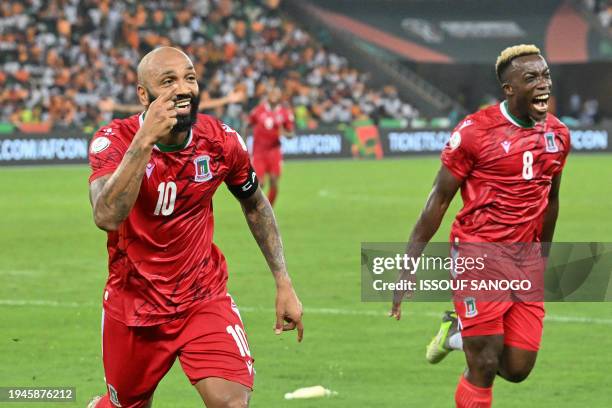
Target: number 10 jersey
point(162, 260)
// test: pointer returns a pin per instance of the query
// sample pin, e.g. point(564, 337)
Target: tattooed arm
point(112, 197)
point(260, 217)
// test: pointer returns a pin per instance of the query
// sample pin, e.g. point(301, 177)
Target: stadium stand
point(602, 9)
point(71, 63)
point(451, 45)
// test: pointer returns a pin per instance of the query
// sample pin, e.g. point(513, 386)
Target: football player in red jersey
point(507, 160)
point(270, 120)
point(151, 188)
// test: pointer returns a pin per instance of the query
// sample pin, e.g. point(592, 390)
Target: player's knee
point(241, 401)
point(236, 400)
point(487, 364)
point(238, 403)
point(516, 375)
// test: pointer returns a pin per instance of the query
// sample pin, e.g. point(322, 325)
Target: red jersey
point(162, 259)
point(267, 124)
point(506, 168)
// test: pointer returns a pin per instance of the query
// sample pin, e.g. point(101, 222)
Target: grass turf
point(50, 251)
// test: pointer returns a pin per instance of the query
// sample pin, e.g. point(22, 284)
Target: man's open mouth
point(540, 102)
point(183, 106)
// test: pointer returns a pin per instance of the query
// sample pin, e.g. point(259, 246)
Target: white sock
point(455, 341)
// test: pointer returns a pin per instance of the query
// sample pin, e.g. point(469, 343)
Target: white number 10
point(240, 339)
point(167, 195)
point(527, 165)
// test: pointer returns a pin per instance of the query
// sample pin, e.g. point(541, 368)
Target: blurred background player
point(507, 160)
point(270, 120)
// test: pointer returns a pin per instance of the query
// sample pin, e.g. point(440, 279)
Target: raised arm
point(236, 96)
point(444, 189)
point(112, 197)
point(262, 223)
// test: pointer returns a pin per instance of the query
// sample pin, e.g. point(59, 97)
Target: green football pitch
point(53, 268)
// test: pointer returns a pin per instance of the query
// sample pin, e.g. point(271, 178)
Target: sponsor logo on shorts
point(470, 307)
point(114, 398)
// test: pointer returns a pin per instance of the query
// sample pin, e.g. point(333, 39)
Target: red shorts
point(268, 161)
point(209, 342)
point(520, 323)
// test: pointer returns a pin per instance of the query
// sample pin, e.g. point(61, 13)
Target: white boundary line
point(315, 311)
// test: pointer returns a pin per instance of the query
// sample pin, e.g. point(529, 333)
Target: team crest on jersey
point(114, 398)
point(470, 307)
point(202, 169)
point(551, 144)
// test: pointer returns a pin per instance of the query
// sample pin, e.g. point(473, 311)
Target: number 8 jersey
point(506, 167)
point(162, 259)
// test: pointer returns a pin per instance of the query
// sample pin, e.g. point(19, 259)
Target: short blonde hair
point(509, 54)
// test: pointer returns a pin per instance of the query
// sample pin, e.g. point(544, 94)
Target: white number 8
point(527, 165)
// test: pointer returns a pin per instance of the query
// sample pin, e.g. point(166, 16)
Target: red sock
point(272, 195)
point(470, 396)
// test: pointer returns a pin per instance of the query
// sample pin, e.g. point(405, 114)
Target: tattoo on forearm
point(262, 223)
point(117, 193)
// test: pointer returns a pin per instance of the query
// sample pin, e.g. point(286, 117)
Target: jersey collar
point(503, 107)
point(168, 148)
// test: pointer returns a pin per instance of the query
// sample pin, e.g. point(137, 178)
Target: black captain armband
point(246, 189)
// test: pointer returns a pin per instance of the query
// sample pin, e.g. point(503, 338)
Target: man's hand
point(396, 310)
point(399, 295)
point(289, 310)
point(260, 217)
point(113, 197)
point(160, 117)
point(236, 96)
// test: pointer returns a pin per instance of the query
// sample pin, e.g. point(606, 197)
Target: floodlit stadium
point(357, 101)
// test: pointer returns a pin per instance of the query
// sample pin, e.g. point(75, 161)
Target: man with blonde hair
point(507, 160)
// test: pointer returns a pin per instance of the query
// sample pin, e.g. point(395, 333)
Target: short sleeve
point(236, 152)
point(460, 152)
point(567, 146)
point(106, 151)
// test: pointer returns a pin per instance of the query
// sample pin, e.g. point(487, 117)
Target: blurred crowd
point(72, 63)
point(582, 112)
point(603, 10)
